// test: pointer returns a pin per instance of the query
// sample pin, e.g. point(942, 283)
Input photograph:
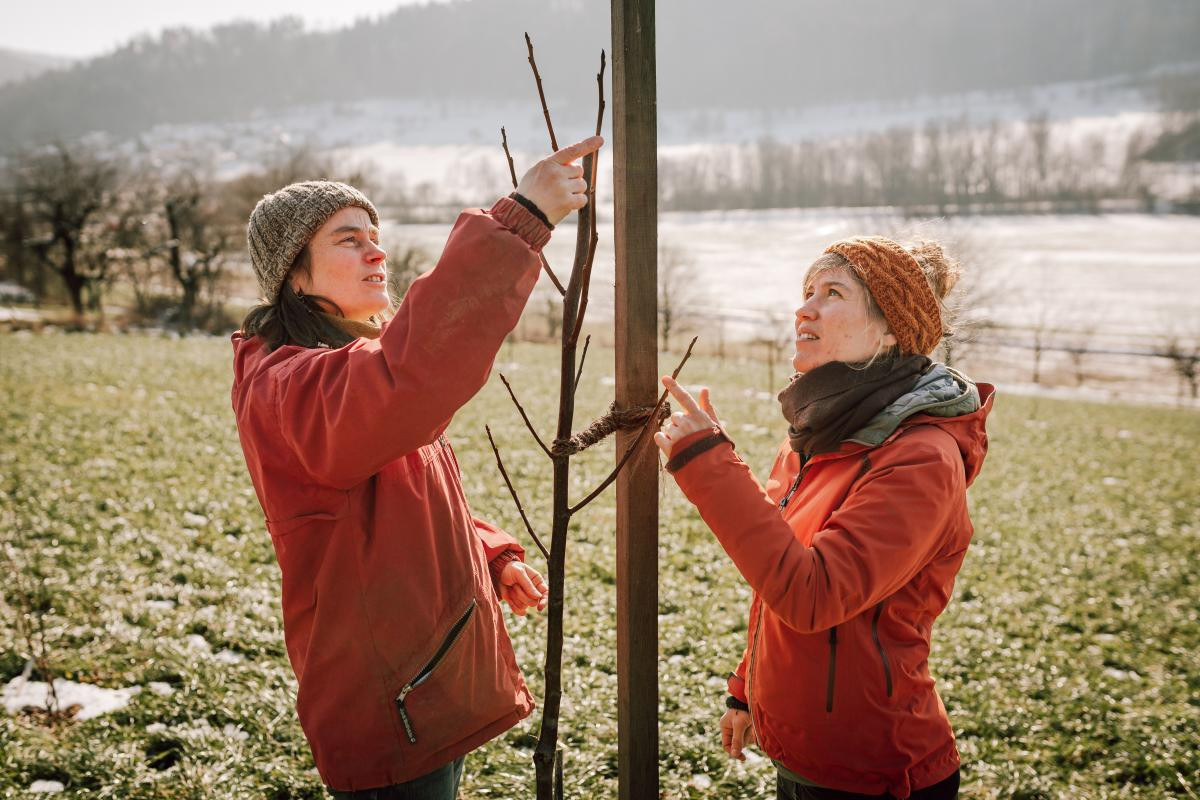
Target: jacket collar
point(940, 392)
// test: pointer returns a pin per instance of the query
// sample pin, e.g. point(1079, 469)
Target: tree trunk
point(545, 754)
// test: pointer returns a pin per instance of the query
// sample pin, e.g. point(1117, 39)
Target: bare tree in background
point(197, 243)
point(19, 266)
point(66, 191)
point(971, 305)
point(678, 289)
point(1081, 332)
point(290, 164)
point(405, 265)
point(1039, 331)
point(774, 336)
point(1184, 354)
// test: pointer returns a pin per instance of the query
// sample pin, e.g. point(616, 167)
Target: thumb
point(526, 585)
point(706, 404)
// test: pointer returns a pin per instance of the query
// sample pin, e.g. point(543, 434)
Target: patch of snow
point(93, 701)
point(752, 757)
point(160, 605)
point(156, 727)
point(700, 781)
point(203, 729)
point(46, 787)
point(229, 657)
point(198, 644)
point(19, 315)
point(161, 688)
point(194, 520)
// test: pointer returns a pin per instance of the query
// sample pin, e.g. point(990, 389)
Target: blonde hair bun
point(941, 270)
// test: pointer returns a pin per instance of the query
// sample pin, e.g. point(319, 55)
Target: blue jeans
point(441, 784)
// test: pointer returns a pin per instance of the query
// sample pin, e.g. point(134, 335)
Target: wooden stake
point(635, 177)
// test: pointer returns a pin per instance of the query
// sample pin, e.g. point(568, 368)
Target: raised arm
point(870, 546)
point(347, 412)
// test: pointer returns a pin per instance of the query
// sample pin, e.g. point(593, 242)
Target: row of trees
point(949, 166)
point(78, 223)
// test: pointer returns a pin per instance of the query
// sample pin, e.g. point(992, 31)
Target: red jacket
point(848, 581)
point(390, 615)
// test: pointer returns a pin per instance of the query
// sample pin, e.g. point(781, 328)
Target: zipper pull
point(795, 485)
point(408, 727)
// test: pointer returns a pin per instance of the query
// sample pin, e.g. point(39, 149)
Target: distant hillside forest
point(712, 53)
point(16, 65)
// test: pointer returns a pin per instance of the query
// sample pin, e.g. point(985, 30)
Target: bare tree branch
point(513, 491)
point(591, 195)
point(525, 416)
point(600, 87)
point(541, 93)
point(579, 373)
point(612, 476)
point(512, 172)
point(512, 169)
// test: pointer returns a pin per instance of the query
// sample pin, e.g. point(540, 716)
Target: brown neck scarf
point(825, 405)
point(352, 328)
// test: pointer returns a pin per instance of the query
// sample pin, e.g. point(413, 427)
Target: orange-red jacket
point(390, 615)
point(848, 581)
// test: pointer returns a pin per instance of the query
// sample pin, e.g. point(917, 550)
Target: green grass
point(1069, 658)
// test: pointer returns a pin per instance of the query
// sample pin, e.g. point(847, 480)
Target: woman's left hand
point(694, 416)
point(522, 587)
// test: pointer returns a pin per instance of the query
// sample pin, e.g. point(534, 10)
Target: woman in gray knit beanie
point(391, 587)
point(314, 247)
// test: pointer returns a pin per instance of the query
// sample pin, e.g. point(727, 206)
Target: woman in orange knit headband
point(853, 543)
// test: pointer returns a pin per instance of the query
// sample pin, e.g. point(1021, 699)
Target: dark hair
point(294, 318)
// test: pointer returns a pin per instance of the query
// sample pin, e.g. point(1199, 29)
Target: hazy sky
point(91, 27)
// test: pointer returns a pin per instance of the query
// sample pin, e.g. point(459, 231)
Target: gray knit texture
point(283, 222)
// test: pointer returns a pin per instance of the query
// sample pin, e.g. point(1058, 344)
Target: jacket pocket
point(887, 667)
point(427, 671)
point(469, 684)
point(832, 668)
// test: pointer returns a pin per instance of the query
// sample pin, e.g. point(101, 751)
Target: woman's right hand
point(694, 417)
point(555, 184)
point(737, 732)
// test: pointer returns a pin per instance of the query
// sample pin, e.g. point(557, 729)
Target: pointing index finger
point(682, 395)
point(577, 150)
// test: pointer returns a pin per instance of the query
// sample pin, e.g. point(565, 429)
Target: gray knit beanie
point(283, 222)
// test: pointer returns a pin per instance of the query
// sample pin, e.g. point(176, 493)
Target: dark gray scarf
point(825, 405)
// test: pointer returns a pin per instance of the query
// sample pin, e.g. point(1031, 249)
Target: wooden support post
point(635, 179)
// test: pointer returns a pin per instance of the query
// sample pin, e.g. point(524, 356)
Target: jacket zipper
point(832, 668)
point(832, 631)
point(758, 622)
point(427, 670)
point(887, 668)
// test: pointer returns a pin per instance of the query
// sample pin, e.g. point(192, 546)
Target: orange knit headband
point(897, 282)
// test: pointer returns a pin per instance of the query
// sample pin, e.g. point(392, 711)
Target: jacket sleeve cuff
point(497, 564)
point(691, 446)
point(737, 688)
point(521, 221)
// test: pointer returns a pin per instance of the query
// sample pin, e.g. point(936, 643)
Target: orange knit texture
point(899, 287)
